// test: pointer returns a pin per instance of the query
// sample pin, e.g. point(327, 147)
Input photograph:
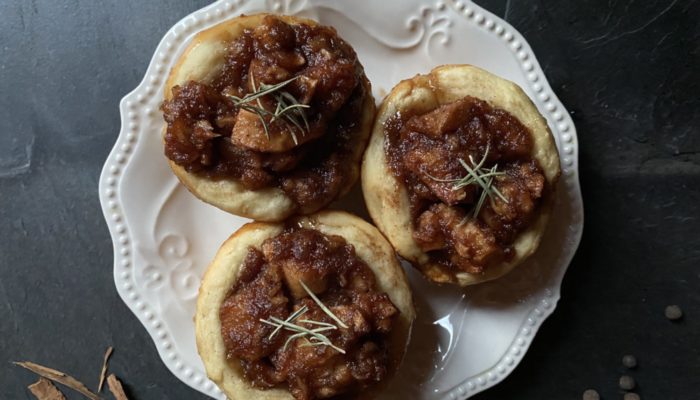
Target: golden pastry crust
point(386, 197)
point(202, 61)
point(370, 246)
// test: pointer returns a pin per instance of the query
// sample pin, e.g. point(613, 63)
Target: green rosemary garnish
point(296, 314)
point(478, 175)
point(288, 109)
point(322, 306)
point(315, 336)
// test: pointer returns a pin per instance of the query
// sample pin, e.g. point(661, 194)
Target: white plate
point(464, 341)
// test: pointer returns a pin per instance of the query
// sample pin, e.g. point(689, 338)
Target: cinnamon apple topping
point(282, 112)
point(306, 314)
point(472, 181)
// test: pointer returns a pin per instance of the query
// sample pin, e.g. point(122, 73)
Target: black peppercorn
point(673, 312)
point(627, 382)
point(629, 361)
point(591, 394)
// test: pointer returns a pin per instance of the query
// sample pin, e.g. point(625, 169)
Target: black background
point(628, 71)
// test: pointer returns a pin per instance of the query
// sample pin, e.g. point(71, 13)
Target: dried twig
point(43, 389)
point(103, 372)
point(116, 388)
point(58, 376)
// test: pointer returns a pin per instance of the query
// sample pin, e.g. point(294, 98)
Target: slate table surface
point(628, 71)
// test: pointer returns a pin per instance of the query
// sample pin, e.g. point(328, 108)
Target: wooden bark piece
point(103, 372)
point(116, 388)
point(58, 376)
point(43, 389)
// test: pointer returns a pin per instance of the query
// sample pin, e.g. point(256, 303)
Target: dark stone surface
point(629, 71)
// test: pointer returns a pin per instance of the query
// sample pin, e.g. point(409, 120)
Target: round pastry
point(459, 174)
point(267, 116)
point(315, 308)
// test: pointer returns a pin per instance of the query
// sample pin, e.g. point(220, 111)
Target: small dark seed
point(626, 382)
point(674, 313)
point(632, 396)
point(629, 361)
point(591, 394)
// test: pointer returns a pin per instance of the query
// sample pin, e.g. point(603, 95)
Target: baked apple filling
point(281, 111)
point(472, 181)
point(306, 313)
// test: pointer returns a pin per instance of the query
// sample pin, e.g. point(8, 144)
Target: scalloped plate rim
point(109, 190)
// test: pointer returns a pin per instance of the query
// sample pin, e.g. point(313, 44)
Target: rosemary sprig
point(296, 314)
point(485, 192)
point(315, 336)
point(288, 109)
point(323, 306)
point(478, 175)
